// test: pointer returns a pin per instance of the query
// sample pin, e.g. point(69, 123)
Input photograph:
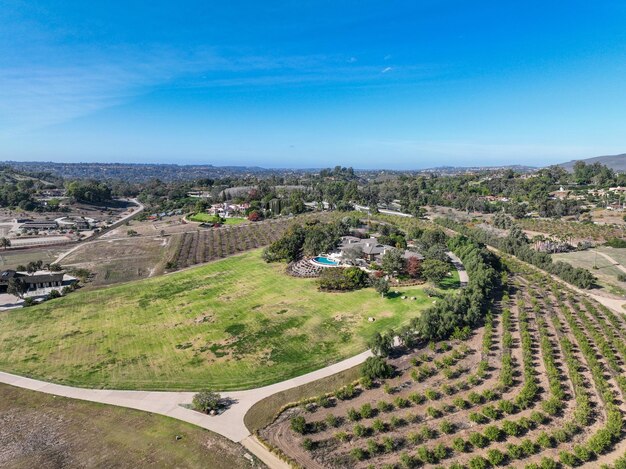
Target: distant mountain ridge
point(615, 162)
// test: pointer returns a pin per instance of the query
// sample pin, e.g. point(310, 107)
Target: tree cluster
point(310, 239)
point(517, 245)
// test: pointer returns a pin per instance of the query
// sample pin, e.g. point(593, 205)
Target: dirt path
point(612, 261)
point(134, 213)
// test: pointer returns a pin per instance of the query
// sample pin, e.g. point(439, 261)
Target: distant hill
point(615, 162)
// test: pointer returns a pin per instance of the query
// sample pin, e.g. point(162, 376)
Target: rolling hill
point(615, 162)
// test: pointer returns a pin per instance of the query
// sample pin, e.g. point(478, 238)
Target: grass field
point(40, 430)
point(234, 221)
point(606, 271)
point(232, 324)
point(205, 217)
point(10, 259)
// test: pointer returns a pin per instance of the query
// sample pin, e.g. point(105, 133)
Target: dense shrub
point(521, 248)
point(376, 368)
point(207, 401)
point(342, 279)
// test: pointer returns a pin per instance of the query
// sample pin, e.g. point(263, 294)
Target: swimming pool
point(326, 261)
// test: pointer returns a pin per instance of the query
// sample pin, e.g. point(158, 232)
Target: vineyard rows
point(205, 245)
point(541, 385)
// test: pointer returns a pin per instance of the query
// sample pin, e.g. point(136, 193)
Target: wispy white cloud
point(386, 70)
point(43, 81)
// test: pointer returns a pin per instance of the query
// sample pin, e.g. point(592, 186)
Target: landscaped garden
point(235, 323)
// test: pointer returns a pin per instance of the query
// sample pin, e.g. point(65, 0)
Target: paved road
point(229, 424)
point(458, 264)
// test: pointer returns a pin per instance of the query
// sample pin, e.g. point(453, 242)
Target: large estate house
point(370, 249)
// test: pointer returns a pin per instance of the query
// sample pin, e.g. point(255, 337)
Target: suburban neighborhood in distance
point(312, 235)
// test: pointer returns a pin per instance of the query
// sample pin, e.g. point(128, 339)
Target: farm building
point(39, 279)
point(39, 225)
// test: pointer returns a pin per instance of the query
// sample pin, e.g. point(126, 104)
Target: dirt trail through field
point(612, 261)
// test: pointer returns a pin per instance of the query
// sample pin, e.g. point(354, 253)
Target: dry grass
point(40, 430)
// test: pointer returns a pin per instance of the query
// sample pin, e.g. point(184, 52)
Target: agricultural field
point(606, 269)
point(572, 231)
point(10, 259)
point(611, 217)
point(204, 245)
point(163, 246)
point(41, 430)
point(541, 385)
point(231, 324)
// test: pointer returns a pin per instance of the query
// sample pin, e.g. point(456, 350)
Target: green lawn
point(205, 217)
point(451, 282)
point(234, 221)
point(232, 324)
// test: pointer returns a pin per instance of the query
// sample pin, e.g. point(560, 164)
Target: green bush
point(447, 427)
point(358, 454)
point(308, 444)
point(207, 401)
point(568, 458)
point(332, 420)
point(495, 457)
point(359, 430)
point(342, 279)
point(346, 392)
point(478, 462)
point(299, 425)
point(366, 410)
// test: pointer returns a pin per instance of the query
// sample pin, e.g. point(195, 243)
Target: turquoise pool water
point(325, 260)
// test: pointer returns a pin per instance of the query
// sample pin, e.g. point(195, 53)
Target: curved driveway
point(229, 424)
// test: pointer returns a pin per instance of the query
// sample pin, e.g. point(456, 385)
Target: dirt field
point(10, 259)
point(122, 259)
point(43, 431)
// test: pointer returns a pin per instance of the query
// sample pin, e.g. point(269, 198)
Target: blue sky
point(369, 84)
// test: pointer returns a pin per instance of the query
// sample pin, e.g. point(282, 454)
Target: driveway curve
point(173, 404)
